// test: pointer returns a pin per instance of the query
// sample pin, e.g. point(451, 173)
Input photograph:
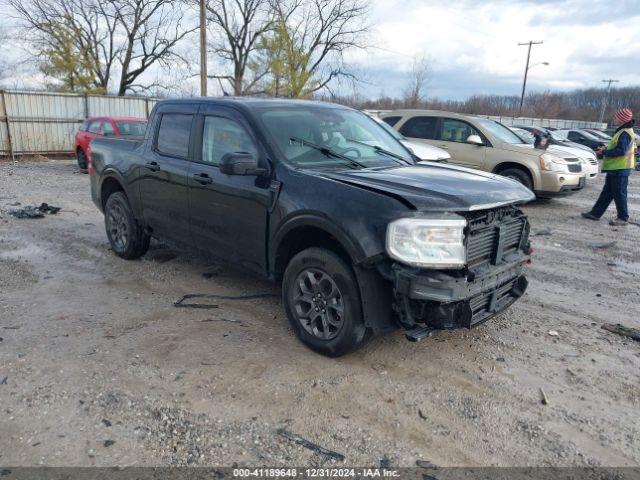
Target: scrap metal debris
point(543, 232)
point(603, 245)
point(545, 400)
point(310, 445)
point(31, 211)
point(632, 333)
point(3, 381)
point(180, 303)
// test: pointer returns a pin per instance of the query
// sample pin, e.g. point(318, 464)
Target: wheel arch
point(502, 166)
point(112, 182)
point(307, 231)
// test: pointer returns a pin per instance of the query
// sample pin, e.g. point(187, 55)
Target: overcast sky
point(474, 45)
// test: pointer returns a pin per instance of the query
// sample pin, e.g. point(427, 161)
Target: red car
point(94, 127)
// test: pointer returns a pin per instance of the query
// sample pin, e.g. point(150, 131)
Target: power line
point(526, 70)
point(605, 101)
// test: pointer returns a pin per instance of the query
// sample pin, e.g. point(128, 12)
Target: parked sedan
point(584, 138)
point(586, 156)
point(94, 127)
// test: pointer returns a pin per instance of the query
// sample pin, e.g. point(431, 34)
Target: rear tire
point(127, 237)
point(322, 302)
point(81, 157)
point(518, 175)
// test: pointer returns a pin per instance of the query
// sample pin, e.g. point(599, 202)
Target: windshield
point(524, 135)
point(132, 128)
point(589, 135)
point(600, 135)
point(318, 137)
point(499, 131)
point(389, 129)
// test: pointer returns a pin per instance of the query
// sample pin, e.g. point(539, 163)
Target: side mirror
point(240, 163)
point(475, 140)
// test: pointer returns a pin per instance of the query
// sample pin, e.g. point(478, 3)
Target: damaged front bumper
point(427, 300)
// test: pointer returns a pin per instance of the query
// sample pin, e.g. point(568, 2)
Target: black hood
point(437, 187)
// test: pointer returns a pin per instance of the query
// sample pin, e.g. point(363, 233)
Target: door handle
point(153, 166)
point(203, 178)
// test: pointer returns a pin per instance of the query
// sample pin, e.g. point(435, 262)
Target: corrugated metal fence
point(45, 123)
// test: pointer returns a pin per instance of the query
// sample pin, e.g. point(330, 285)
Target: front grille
point(493, 234)
point(592, 161)
point(575, 167)
point(488, 303)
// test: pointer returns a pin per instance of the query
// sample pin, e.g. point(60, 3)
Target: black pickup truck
point(323, 199)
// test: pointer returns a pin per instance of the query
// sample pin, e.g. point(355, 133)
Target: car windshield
point(557, 135)
point(600, 135)
point(589, 135)
point(322, 137)
point(389, 129)
point(524, 135)
point(499, 131)
point(131, 128)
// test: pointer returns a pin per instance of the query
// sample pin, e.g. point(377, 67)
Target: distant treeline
point(583, 104)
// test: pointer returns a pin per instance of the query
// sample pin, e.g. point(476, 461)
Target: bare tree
point(318, 33)
point(4, 62)
point(415, 91)
point(238, 26)
point(153, 28)
point(131, 35)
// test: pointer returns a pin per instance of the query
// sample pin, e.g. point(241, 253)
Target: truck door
point(452, 136)
point(164, 175)
point(228, 213)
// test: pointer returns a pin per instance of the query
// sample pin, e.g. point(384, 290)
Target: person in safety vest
point(618, 162)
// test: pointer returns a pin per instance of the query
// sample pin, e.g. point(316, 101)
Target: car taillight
point(89, 163)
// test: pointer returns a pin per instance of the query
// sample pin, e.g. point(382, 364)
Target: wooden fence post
point(8, 124)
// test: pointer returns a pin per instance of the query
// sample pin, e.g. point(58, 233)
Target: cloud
point(474, 45)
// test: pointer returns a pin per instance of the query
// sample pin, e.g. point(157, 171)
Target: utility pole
point(526, 70)
point(605, 101)
point(203, 49)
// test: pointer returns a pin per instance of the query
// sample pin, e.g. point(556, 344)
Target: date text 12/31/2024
point(315, 472)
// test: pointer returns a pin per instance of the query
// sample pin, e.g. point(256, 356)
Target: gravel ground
point(98, 368)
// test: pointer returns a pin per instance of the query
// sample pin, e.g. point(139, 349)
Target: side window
point(456, 130)
point(420, 127)
point(94, 127)
point(575, 136)
point(391, 120)
point(173, 135)
point(223, 135)
point(107, 129)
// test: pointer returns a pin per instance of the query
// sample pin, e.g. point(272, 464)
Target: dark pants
point(615, 188)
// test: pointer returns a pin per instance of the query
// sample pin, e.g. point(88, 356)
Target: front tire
point(322, 302)
point(518, 175)
point(127, 237)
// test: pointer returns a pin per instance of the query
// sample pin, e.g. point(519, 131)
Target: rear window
point(420, 127)
point(132, 128)
point(173, 135)
point(391, 120)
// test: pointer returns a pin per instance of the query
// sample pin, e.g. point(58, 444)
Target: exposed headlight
point(421, 242)
point(553, 163)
